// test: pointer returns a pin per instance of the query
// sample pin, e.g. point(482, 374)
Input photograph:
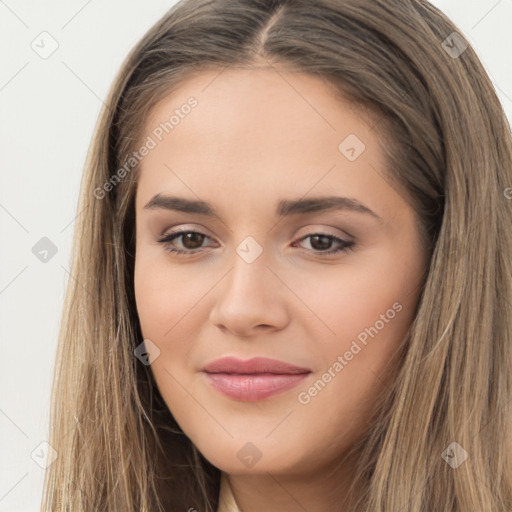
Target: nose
point(250, 299)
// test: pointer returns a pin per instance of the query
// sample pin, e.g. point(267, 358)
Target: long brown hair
point(448, 145)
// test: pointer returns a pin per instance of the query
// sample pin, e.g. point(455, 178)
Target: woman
point(214, 353)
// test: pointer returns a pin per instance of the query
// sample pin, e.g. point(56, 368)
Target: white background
point(48, 111)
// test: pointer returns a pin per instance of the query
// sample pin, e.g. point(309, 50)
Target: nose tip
point(246, 302)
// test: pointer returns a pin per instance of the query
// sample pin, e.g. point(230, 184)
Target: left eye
point(321, 239)
point(192, 241)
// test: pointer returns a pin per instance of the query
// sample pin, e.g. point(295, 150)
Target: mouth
point(253, 380)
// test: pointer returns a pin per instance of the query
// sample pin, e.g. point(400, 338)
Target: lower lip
point(253, 387)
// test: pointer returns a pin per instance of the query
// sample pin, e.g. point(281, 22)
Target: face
point(270, 267)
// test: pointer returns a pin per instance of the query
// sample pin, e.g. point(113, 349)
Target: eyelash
point(346, 246)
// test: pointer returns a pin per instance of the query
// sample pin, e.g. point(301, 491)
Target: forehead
point(258, 133)
point(236, 104)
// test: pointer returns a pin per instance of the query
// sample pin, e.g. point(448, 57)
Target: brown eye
point(191, 242)
point(321, 243)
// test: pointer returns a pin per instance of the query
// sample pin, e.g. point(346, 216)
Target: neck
point(322, 492)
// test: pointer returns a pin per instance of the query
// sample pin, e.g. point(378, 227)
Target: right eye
point(189, 238)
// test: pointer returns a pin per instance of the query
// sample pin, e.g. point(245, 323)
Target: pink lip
point(251, 366)
point(254, 379)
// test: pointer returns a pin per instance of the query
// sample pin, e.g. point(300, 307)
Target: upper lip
point(255, 365)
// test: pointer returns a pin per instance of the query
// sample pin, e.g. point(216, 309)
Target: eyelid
point(185, 227)
point(346, 237)
point(344, 246)
point(315, 229)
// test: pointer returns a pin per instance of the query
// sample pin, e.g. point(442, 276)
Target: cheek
point(371, 299)
point(167, 306)
point(377, 307)
point(153, 298)
point(165, 297)
point(371, 324)
point(370, 310)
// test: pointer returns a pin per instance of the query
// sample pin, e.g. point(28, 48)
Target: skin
point(257, 137)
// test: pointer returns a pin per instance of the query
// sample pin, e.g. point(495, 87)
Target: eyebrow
point(285, 207)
